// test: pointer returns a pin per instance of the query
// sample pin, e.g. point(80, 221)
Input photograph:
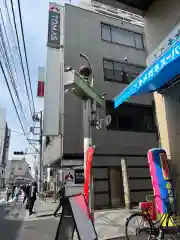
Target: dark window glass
point(108, 70)
point(139, 41)
point(122, 36)
point(131, 117)
point(106, 32)
point(120, 72)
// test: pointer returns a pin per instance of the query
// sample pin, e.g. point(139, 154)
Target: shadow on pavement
point(41, 229)
point(9, 228)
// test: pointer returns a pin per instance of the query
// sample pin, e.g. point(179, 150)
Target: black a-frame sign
point(76, 216)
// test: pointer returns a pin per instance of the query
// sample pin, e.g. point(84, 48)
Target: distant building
point(20, 171)
point(4, 145)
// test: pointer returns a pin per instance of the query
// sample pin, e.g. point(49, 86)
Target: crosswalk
point(3, 198)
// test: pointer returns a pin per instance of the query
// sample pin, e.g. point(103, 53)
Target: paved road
point(11, 219)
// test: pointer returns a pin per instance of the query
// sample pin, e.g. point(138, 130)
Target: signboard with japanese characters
point(165, 44)
point(54, 26)
point(79, 176)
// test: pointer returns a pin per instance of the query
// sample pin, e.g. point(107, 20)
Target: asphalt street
point(15, 224)
point(11, 219)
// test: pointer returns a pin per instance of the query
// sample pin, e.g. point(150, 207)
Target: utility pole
point(82, 85)
point(38, 117)
point(41, 174)
point(87, 132)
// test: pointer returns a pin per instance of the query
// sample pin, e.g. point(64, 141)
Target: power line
point(24, 45)
point(12, 30)
point(8, 44)
point(8, 65)
point(17, 37)
point(9, 89)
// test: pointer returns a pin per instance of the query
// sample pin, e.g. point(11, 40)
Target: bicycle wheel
point(138, 226)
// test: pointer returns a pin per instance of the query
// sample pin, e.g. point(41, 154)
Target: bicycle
point(154, 229)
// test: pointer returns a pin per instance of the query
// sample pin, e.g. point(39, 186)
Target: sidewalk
point(109, 224)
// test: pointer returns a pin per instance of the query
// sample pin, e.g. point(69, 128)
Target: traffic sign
point(69, 176)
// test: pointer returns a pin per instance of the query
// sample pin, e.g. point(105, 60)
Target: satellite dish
point(108, 120)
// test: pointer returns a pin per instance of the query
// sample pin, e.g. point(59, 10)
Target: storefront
point(162, 78)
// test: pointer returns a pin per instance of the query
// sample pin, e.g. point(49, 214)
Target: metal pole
point(40, 157)
point(87, 136)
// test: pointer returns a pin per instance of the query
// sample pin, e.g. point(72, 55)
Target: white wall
point(19, 167)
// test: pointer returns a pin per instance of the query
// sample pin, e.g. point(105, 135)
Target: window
point(120, 72)
point(106, 32)
point(121, 36)
point(131, 117)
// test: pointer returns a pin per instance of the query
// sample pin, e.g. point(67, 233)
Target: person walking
point(13, 190)
point(25, 191)
point(60, 195)
point(32, 197)
point(8, 193)
point(17, 192)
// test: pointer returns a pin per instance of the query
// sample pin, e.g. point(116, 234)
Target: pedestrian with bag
point(32, 197)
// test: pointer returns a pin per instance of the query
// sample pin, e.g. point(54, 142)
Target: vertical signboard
point(87, 175)
point(161, 181)
point(54, 88)
point(54, 26)
point(41, 79)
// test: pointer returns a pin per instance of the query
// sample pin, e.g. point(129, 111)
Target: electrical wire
point(17, 37)
point(9, 69)
point(8, 44)
point(25, 52)
point(15, 43)
point(12, 30)
point(21, 62)
point(9, 89)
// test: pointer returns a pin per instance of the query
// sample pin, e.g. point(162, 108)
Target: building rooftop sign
point(161, 71)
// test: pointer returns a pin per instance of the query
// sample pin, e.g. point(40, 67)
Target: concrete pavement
point(11, 219)
point(109, 224)
point(16, 225)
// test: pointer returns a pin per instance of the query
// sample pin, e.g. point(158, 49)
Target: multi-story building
point(19, 171)
point(116, 48)
point(162, 31)
point(4, 145)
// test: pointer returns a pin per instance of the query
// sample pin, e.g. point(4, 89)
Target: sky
point(35, 22)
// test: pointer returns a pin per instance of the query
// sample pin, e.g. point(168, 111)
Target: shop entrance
point(116, 187)
point(108, 187)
